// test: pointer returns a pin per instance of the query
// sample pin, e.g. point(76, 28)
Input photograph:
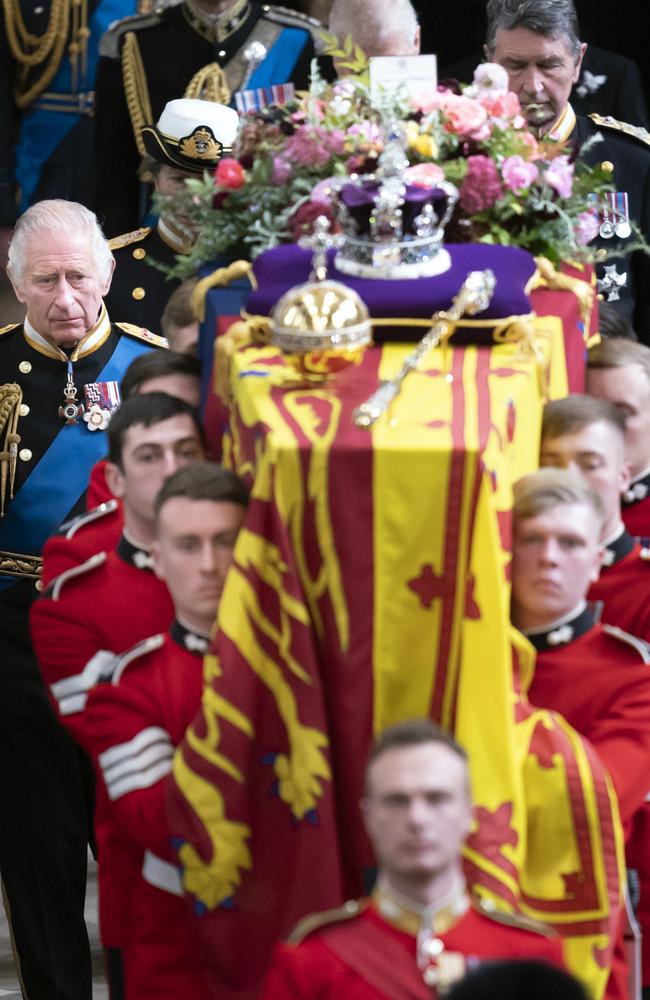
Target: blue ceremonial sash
point(41, 132)
point(279, 62)
point(61, 476)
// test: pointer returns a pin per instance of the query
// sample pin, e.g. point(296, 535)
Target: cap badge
point(200, 145)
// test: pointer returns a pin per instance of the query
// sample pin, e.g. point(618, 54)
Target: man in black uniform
point(538, 44)
point(48, 55)
point(198, 48)
point(59, 375)
point(140, 290)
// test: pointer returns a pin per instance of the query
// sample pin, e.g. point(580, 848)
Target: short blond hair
point(547, 488)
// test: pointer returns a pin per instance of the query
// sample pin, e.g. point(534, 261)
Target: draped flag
point(370, 585)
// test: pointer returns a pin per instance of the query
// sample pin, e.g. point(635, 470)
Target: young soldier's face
point(555, 557)
point(628, 387)
point(193, 552)
point(417, 810)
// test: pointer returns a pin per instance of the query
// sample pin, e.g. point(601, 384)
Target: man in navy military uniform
point(539, 46)
point(140, 290)
point(48, 56)
point(197, 48)
point(59, 373)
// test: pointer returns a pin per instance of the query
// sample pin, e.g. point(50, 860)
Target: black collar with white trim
point(638, 490)
point(562, 632)
point(618, 548)
point(189, 640)
point(134, 554)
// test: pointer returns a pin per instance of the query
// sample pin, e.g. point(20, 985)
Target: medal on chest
point(71, 409)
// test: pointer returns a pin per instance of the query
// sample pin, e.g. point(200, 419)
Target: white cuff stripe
point(162, 874)
point(141, 779)
point(162, 750)
point(101, 665)
point(122, 750)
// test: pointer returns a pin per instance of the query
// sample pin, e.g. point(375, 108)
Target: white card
point(390, 73)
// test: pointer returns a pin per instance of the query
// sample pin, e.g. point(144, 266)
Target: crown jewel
point(392, 229)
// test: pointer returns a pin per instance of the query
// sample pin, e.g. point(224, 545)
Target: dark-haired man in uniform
point(197, 48)
point(420, 929)
point(539, 46)
point(140, 289)
point(59, 374)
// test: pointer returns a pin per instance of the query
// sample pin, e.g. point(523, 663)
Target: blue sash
point(41, 132)
point(60, 477)
point(279, 62)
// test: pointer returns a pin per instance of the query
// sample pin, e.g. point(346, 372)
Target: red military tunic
point(624, 586)
point(596, 677)
point(363, 952)
point(98, 491)
point(136, 723)
point(98, 530)
point(79, 624)
point(636, 506)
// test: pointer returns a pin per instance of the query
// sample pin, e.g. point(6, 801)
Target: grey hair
point(551, 18)
point(53, 216)
point(369, 21)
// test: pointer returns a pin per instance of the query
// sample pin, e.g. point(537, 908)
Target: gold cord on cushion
point(547, 276)
point(136, 88)
point(243, 333)
point(219, 279)
point(10, 398)
point(209, 84)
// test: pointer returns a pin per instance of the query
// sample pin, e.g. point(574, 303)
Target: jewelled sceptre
point(473, 297)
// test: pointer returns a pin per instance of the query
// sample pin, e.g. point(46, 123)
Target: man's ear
point(595, 571)
point(107, 281)
point(578, 65)
point(625, 477)
point(115, 480)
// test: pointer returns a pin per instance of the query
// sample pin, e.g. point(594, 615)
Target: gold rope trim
point(546, 276)
point(219, 279)
point(243, 333)
point(10, 398)
point(16, 564)
point(135, 88)
point(48, 49)
point(209, 84)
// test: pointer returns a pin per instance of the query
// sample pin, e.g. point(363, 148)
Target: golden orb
point(321, 327)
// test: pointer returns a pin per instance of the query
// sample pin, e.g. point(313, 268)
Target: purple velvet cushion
point(278, 270)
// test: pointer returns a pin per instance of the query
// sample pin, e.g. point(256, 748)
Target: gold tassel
point(10, 398)
point(243, 333)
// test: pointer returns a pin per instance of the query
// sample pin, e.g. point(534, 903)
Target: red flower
point(230, 173)
point(301, 223)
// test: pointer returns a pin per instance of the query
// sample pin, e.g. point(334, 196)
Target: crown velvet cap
point(402, 309)
point(360, 203)
point(192, 134)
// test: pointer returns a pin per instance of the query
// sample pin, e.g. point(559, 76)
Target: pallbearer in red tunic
point(136, 721)
point(420, 931)
point(596, 676)
point(619, 370)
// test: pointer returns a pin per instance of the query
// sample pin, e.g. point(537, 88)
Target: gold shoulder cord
point(30, 50)
point(10, 396)
point(135, 88)
point(209, 84)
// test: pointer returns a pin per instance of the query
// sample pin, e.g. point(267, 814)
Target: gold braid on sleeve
point(31, 50)
point(10, 398)
point(135, 88)
point(209, 84)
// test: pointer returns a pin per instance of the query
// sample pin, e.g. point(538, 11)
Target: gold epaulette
point(487, 908)
point(109, 45)
point(315, 921)
point(8, 327)
point(635, 131)
point(140, 333)
point(126, 239)
point(642, 648)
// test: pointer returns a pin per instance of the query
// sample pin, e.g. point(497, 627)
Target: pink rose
point(424, 174)
point(427, 101)
point(465, 117)
point(585, 228)
point(230, 173)
point(502, 105)
point(559, 176)
point(518, 174)
point(322, 191)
